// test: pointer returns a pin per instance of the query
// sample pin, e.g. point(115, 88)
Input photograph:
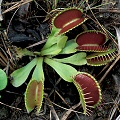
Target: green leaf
point(20, 75)
point(3, 80)
point(65, 71)
point(38, 73)
point(56, 46)
point(23, 52)
point(53, 50)
point(55, 31)
point(52, 39)
point(70, 47)
point(76, 59)
point(34, 95)
point(62, 41)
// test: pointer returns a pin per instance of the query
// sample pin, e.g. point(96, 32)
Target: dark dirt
point(25, 29)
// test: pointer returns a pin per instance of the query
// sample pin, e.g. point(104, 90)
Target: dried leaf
point(118, 37)
point(23, 9)
point(1, 17)
point(118, 118)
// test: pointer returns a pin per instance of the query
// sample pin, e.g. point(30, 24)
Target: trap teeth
point(101, 58)
point(68, 19)
point(92, 41)
point(89, 91)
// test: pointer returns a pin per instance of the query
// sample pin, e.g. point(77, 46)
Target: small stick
point(109, 69)
point(52, 109)
point(38, 43)
point(17, 5)
point(10, 106)
point(65, 116)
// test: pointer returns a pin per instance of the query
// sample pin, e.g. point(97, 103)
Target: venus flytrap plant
point(58, 44)
point(34, 95)
point(101, 58)
point(89, 91)
point(68, 19)
point(34, 92)
point(62, 23)
point(35, 89)
point(92, 41)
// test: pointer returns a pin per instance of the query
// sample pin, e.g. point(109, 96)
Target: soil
point(31, 25)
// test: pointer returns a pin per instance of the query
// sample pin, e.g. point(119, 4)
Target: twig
point(101, 26)
point(62, 99)
point(8, 52)
point(113, 110)
point(65, 116)
point(58, 81)
point(52, 109)
point(109, 69)
point(38, 43)
point(104, 68)
point(117, 99)
point(11, 20)
point(5, 59)
point(67, 108)
point(17, 5)
point(10, 106)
